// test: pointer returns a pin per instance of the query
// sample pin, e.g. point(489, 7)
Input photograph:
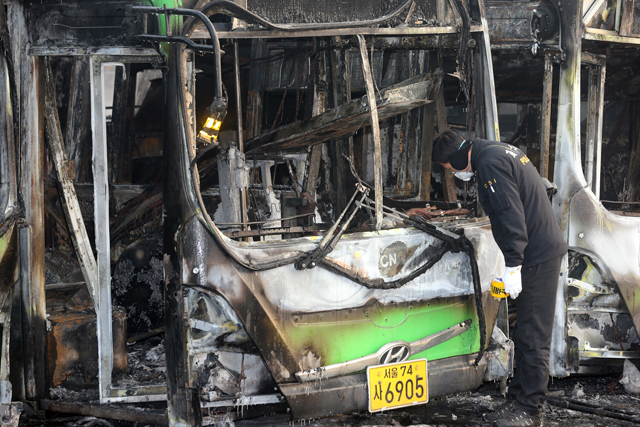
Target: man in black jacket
point(525, 228)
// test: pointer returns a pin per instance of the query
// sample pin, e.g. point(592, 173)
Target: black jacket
point(513, 195)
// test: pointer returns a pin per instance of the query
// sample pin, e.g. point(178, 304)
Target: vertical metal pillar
point(375, 127)
point(34, 199)
point(486, 65)
point(428, 123)
point(232, 180)
point(28, 344)
point(31, 119)
point(589, 155)
point(567, 168)
point(448, 181)
point(243, 189)
point(78, 138)
point(545, 133)
point(317, 93)
point(178, 203)
point(267, 185)
point(255, 89)
point(340, 84)
point(101, 221)
point(599, 128)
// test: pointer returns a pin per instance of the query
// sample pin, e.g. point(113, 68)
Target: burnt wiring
point(380, 283)
point(463, 57)
point(328, 244)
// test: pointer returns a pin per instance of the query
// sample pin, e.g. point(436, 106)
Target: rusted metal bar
point(78, 135)
point(626, 23)
point(409, 64)
point(591, 59)
point(69, 200)
point(32, 188)
point(110, 412)
point(346, 118)
point(150, 54)
point(375, 128)
point(35, 164)
point(315, 155)
point(317, 95)
point(273, 231)
point(101, 222)
point(200, 33)
point(428, 123)
point(545, 133)
point(608, 36)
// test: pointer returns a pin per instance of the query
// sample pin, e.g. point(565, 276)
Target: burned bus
point(252, 182)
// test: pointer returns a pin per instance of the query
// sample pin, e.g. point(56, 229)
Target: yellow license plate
point(397, 385)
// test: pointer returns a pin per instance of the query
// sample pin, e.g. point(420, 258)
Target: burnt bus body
point(313, 314)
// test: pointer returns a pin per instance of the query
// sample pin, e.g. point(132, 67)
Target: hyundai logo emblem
point(394, 352)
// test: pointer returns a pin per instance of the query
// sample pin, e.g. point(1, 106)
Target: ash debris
point(137, 284)
point(147, 364)
point(466, 409)
point(83, 396)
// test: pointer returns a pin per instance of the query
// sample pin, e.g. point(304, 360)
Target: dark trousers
point(532, 334)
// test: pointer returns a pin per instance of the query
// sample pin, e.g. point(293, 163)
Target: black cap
point(459, 159)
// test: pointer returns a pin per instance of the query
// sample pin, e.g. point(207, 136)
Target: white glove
point(512, 281)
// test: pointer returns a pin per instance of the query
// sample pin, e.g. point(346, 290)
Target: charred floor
point(586, 401)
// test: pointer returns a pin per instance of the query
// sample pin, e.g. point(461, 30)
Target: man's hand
point(512, 281)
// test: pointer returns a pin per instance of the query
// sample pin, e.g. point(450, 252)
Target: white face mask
point(465, 176)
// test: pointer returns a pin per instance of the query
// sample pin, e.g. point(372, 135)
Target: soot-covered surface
point(137, 285)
